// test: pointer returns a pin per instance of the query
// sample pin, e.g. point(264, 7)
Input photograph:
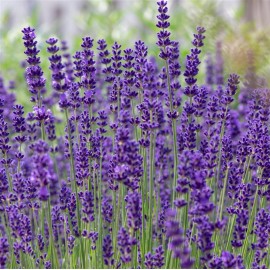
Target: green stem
point(145, 204)
point(10, 186)
point(66, 244)
point(222, 197)
point(174, 134)
point(52, 253)
point(220, 144)
point(186, 212)
point(118, 103)
point(151, 186)
point(43, 136)
point(250, 223)
point(99, 206)
point(231, 226)
point(115, 223)
point(134, 115)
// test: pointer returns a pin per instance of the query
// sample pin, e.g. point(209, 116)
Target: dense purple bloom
point(158, 257)
point(19, 123)
point(148, 262)
point(4, 252)
point(20, 224)
point(177, 244)
point(30, 44)
point(34, 74)
point(108, 251)
point(3, 181)
point(134, 179)
point(134, 208)
point(242, 214)
point(104, 55)
point(231, 88)
point(227, 261)
point(88, 67)
point(4, 137)
point(48, 265)
point(42, 173)
point(163, 35)
point(193, 63)
point(56, 66)
point(125, 243)
point(107, 209)
point(41, 243)
point(88, 206)
point(262, 230)
point(126, 163)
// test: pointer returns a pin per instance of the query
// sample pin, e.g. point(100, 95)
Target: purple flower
point(107, 209)
point(4, 252)
point(104, 55)
point(125, 243)
point(19, 123)
point(177, 242)
point(34, 74)
point(71, 243)
point(56, 67)
point(134, 209)
point(88, 206)
point(262, 230)
point(42, 173)
point(148, 262)
point(193, 63)
point(158, 257)
point(108, 251)
point(126, 164)
point(3, 181)
point(163, 35)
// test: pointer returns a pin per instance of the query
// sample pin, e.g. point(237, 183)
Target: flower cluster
point(118, 165)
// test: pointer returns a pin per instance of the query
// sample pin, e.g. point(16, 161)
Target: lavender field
point(125, 158)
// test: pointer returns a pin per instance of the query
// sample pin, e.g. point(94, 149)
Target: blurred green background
point(241, 26)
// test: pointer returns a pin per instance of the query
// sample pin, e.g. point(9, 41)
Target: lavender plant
point(147, 173)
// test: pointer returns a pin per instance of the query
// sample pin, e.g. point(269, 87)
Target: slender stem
point(151, 186)
point(43, 136)
point(222, 197)
point(123, 192)
point(250, 223)
point(52, 251)
point(174, 134)
point(134, 115)
point(115, 223)
point(119, 221)
point(186, 212)
point(118, 102)
point(231, 225)
point(100, 230)
point(220, 144)
point(67, 264)
point(144, 199)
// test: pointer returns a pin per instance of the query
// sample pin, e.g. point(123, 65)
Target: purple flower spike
point(134, 208)
point(34, 74)
point(4, 252)
point(108, 251)
point(177, 243)
point(125, 243)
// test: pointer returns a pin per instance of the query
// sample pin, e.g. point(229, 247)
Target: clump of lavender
point(147, 173)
